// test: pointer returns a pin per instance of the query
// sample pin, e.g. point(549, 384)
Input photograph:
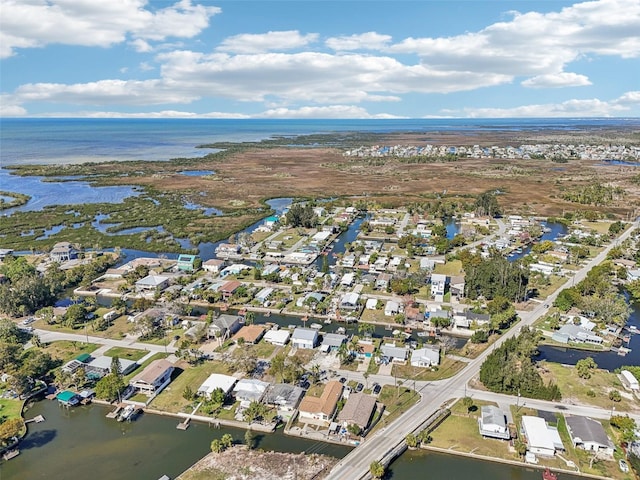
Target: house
point(589, 435)
point(152, 283)
point(321, 409)
point(493, 423)
point(358, 410)
point(383, 280)
point(438, 314)
point(391, 308)
point(217, 381)
point(629, 380)
point(249, 390)
point(305, 338)
point(100, 366)
point(438, 284)
point(541, 439)
point(234, 269)
point(195, 331)
point(349, 301)
point(394, 354)
point(427, 264)
point(224, 325)
point(372, 304)
point(456, 286)
point(63, 252)
point(154, 377)
point(574, 333)
point(277, 337)
point(428, 356)
point(365, 349)
point(186, 263)
point(347, 279)
point(213, 265)
point(262, 296)
point(229, 288)
point(309, 298)
point(227, 250)
point(332, 342)
point(250, 333)
point(283, 396)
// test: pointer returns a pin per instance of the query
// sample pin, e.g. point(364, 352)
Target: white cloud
point(36, 23)
point(10, 108)
point(248, 43)
point(363, 41)
point(145, 66)
point(141, 46)
point(556, 80)
point(534, 43)
point(331, 111)
point(571, 108)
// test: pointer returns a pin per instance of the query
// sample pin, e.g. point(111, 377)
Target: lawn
point(262, 350)
point(396, 401)
point(592, 391)
point(447, 368)
point(126, 353)
point(10, 408)
point(451, 268)
point(66, 350)
point(171, 400)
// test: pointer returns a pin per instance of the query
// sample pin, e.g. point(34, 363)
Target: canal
point(82, 442)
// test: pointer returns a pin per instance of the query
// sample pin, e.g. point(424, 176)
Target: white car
point(623, 466)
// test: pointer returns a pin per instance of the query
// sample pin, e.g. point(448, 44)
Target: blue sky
point(320, 58)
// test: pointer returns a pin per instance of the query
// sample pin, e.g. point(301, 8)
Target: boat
point(327, 321)
point(423, 334)
point(341, 331)
point(549, 475)
point(395, 333)
point(127, 413)
point(316, 326)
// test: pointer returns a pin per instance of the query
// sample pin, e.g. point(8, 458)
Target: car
point(376, 389)
point(359, 387)
point(305, 385)
point(342, 380)
point(28, 321)
point(623, 466)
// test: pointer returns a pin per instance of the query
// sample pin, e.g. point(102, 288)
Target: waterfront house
point(428, 356)
point(577, 334)
point(152, 283)
point(372, 304)
point(332, 342)
point(217, 381)
point(629, 380)
point(321, 410)
point(541, 438)
point(262, 296)
point(358, 410)
point(101, 366)
point(493, 423)
point(186, 263)
point(283, 396)
point(249, 390)
point(394, 354)
point(154, 377)
point(229, 288)
point(305, 338)
point(63, 252)
point(234, 269)
point(68, 398)
point(365, 349)
point(633, 275)
point(427, 263)
point(349, 301)
point(227, 250)
point(589, 435)
point(213, 265)
point(250, 333)
point(224, 325)
point(277, 337)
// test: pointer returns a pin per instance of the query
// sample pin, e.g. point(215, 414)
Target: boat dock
point(116, 412)
point(36, 419)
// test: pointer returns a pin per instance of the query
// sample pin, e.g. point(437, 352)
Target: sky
point(320, 58)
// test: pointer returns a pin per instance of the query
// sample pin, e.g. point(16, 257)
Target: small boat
point(327, 321)
point(423, 334)
point(549, 475)
point(396, 333)
point(127, 413)
point(267, 314)
point(316, 326)
point(341, 331)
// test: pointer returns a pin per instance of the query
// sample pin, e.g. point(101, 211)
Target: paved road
point(47, 336)
point(434, 395)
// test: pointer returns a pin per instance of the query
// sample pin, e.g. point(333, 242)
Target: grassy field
point(447, 368)
point(600, 383)
point(171, 400)
point(66, 350)
point(126, 353)
point(450, 268)
point(396, 401)
point(10, 408)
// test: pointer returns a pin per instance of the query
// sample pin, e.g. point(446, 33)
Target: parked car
point(376, 388)
point(623, 466)
point(342, 380)
point(359, 387)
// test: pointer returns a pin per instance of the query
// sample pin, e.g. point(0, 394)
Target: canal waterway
point(82, 442)
point(553, 232)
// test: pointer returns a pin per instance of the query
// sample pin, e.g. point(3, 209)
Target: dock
point(116, 412)
point(36, 419)
point(11, 454)
point(184, 425)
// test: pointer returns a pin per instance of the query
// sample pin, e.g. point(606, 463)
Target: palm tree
point(216, 446)
point(249, 317)
point(376, 469)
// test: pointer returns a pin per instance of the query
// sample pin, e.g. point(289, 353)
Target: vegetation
point(376, 469)
point(487, 204)
point(510, 369)
point(301, 216)
point(494, 277)
point(595, 194)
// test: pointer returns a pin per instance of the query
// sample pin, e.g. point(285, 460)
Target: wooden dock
point(184, 425)
point(36, 419)
point(116, 412)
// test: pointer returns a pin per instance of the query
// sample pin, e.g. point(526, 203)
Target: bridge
point(388, 442)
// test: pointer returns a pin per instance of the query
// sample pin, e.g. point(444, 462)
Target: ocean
point(71, 140)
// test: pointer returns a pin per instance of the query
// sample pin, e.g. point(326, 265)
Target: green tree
point(487, 204)
point(376, 469)
point(216, 446)
point(188, 393)
point(109, 387)
point(411, 440)
point(226, 440)
point(614, 396)
point(249, 439)
point(116, 367)
point(10, 428)
point(585, 366)
point(468, 403)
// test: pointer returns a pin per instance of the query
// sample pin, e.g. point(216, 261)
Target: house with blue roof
point(186, 263)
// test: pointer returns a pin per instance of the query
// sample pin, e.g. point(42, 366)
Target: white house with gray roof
point(305, 338)
point(428, 356)
point(394, 354)
point(493, 423)
point(332, 341)
point(589, 435)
